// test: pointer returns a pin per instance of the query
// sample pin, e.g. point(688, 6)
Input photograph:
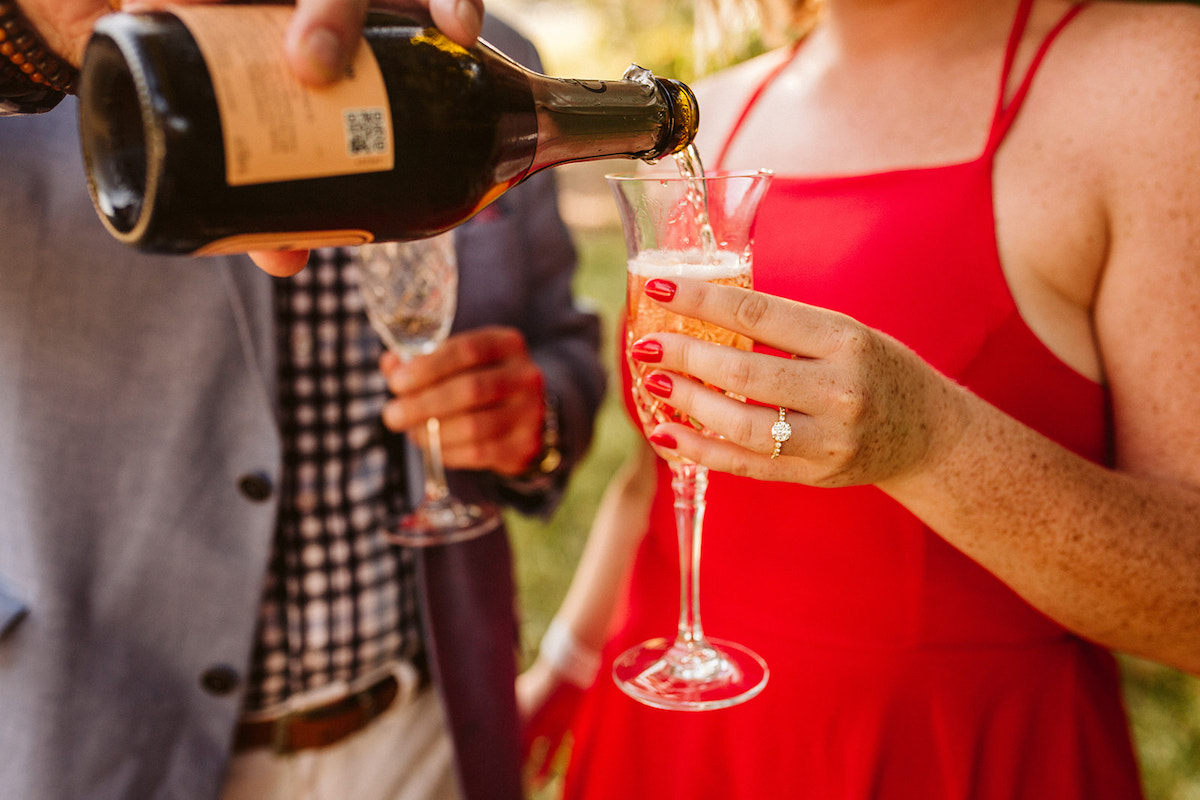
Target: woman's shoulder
point(1122, 78)
point(1135, 44)
point(724, 94)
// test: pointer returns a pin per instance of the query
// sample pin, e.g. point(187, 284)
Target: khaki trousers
point(404, 754)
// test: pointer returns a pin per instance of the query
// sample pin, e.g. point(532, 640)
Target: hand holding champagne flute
point(644, 316)
point(410, 292)
point(698, 227)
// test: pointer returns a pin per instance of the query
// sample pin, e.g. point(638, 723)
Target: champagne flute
point(698, 227)
point(410, 291)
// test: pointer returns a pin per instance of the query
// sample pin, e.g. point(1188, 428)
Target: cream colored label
point(298, 240)
point(274, 127)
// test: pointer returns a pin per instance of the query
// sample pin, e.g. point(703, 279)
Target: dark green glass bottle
point(462, 126)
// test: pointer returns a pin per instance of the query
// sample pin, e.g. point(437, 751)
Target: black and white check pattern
point(339, 600)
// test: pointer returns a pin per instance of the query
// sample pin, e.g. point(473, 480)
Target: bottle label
point(275, 128)
point(296, 240)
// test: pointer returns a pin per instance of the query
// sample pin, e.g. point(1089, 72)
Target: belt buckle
point(363, 700)
point(281, 730)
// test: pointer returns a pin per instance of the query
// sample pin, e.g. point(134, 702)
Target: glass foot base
point(690, 677)
point(444, 523)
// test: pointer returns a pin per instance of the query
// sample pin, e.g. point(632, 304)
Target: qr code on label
point(366, 131)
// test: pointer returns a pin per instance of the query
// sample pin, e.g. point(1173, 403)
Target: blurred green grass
point(1164, 705)
point(546, 553)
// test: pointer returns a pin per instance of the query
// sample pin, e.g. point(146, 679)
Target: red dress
point(900, 668)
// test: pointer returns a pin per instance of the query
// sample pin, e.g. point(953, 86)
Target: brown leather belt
point(319, 726)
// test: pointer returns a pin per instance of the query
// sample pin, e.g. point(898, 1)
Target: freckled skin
point(1110, 555)
point(1097, 203)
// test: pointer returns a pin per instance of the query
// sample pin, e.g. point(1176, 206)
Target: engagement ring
point(781, 431)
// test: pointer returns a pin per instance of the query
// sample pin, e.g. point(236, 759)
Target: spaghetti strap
point(753, 100)
point(1007, 108)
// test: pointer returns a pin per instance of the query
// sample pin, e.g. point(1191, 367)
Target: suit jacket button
point(255, 486)
point(220, 679)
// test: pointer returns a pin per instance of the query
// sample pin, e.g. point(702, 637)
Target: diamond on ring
point(781, 431)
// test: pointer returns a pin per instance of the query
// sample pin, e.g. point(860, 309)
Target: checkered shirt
point(339, 600)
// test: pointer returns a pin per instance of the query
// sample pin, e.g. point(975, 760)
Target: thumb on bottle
point(460, 20)
point(321, 37)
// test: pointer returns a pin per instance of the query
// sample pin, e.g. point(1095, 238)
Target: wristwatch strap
point(546, 464)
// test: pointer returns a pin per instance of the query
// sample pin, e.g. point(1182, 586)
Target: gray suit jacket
point(137, 435)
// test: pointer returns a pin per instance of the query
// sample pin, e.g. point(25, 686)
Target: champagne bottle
point(197, 140)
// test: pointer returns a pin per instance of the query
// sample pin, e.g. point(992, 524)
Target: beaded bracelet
point(32, 77)
point(570, 658)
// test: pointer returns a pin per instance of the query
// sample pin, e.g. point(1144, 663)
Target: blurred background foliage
point(681, 40)
point(599, 39)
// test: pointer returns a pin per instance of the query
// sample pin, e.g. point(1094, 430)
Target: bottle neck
point(589, 120)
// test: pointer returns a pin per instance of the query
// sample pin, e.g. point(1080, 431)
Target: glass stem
point(689, 482)
point(436, 487)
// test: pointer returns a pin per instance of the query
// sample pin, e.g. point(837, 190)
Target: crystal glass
point(700, 227)
point(410, 290)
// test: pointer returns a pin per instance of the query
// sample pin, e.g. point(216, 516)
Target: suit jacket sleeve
point(517, 263)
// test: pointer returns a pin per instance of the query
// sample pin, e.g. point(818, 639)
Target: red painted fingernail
point(659, 384)
point(647, 351)
point(660, 289)
point(664, 440)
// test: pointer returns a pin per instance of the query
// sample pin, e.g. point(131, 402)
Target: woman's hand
point(1110, 555)
point(547, 704)
point(862, 407)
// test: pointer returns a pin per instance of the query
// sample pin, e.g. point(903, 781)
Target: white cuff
point(575, 662)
